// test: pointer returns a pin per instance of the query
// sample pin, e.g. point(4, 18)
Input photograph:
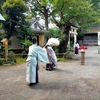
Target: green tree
point(53, 32)
point(1, 3)
point(13, 11)
point(96, 6)
point(65, 13)
point(80, 13)
point(24, 34)
point(40, 9)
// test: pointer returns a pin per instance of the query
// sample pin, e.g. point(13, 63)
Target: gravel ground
point(69, 81)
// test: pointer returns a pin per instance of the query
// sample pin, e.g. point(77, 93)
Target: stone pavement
point(69, 81)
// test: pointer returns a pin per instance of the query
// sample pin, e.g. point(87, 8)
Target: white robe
point(51, 54)
point(35, 55)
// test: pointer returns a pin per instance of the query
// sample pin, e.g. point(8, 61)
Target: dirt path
point(69, 81)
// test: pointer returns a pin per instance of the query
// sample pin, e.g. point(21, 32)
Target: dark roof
point(37, 31)
point(37, 24)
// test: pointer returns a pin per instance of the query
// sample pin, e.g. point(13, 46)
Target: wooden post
point(6, 50)
point(5, 43)
point(82, 57)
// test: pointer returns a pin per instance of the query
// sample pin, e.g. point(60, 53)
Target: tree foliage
point(96, 6)
point(40, 9)
point(65, 13)
point(53, 32)
point(13, 11)
point(24, 34)
point(1, 3)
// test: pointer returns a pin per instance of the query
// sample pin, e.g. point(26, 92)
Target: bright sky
point(50, 25)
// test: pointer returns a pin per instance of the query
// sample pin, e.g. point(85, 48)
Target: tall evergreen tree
point(13, 11)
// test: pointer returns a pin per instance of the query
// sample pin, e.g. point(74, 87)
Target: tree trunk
point(46, 17)
point(64, 42)
point(11, 30)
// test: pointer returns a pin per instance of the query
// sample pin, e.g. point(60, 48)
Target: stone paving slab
point(69, 81)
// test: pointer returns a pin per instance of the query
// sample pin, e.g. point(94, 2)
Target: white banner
point(98, 38)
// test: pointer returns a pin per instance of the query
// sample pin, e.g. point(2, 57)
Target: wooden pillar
point(5, 43)
point(41, 40)
point(82, 57)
